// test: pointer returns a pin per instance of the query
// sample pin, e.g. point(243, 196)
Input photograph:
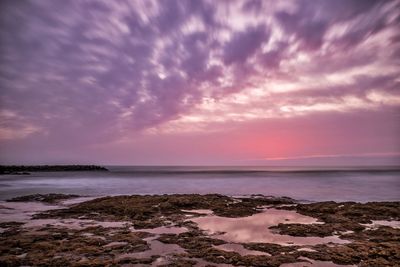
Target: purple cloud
point(244, 44)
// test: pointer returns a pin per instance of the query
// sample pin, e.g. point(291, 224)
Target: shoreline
point(199, 230)
point(338, 187)
point(30, 197)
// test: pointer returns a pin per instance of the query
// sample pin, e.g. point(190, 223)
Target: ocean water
point(304, 184)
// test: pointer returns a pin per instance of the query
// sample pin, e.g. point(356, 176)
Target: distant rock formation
point(24, 170)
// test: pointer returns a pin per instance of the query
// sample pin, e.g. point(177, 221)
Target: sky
point(193, 82)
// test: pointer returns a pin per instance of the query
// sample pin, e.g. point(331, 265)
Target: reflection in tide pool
point(255, 228)
point(22, 211)
point(312, 263)
point(240, 249)
point(376, 224)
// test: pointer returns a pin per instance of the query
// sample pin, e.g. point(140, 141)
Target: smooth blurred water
point(310, 184)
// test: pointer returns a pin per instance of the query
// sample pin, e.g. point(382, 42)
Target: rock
point(58, 246)
point(48, 198)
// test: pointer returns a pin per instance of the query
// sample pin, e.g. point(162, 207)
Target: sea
point(307, 184)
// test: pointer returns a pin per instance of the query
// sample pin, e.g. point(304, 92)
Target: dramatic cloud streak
point(79, 76)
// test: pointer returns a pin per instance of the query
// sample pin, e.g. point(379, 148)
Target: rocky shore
point(176, 230)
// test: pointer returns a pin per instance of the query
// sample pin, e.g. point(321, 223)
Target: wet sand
point(196, 230)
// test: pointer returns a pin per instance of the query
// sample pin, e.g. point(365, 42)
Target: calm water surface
point(309, 184)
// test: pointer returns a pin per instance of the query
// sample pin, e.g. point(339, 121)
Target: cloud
point(244, 44)
point(89, 72)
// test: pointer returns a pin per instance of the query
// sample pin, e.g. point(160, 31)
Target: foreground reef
point(143, 223)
